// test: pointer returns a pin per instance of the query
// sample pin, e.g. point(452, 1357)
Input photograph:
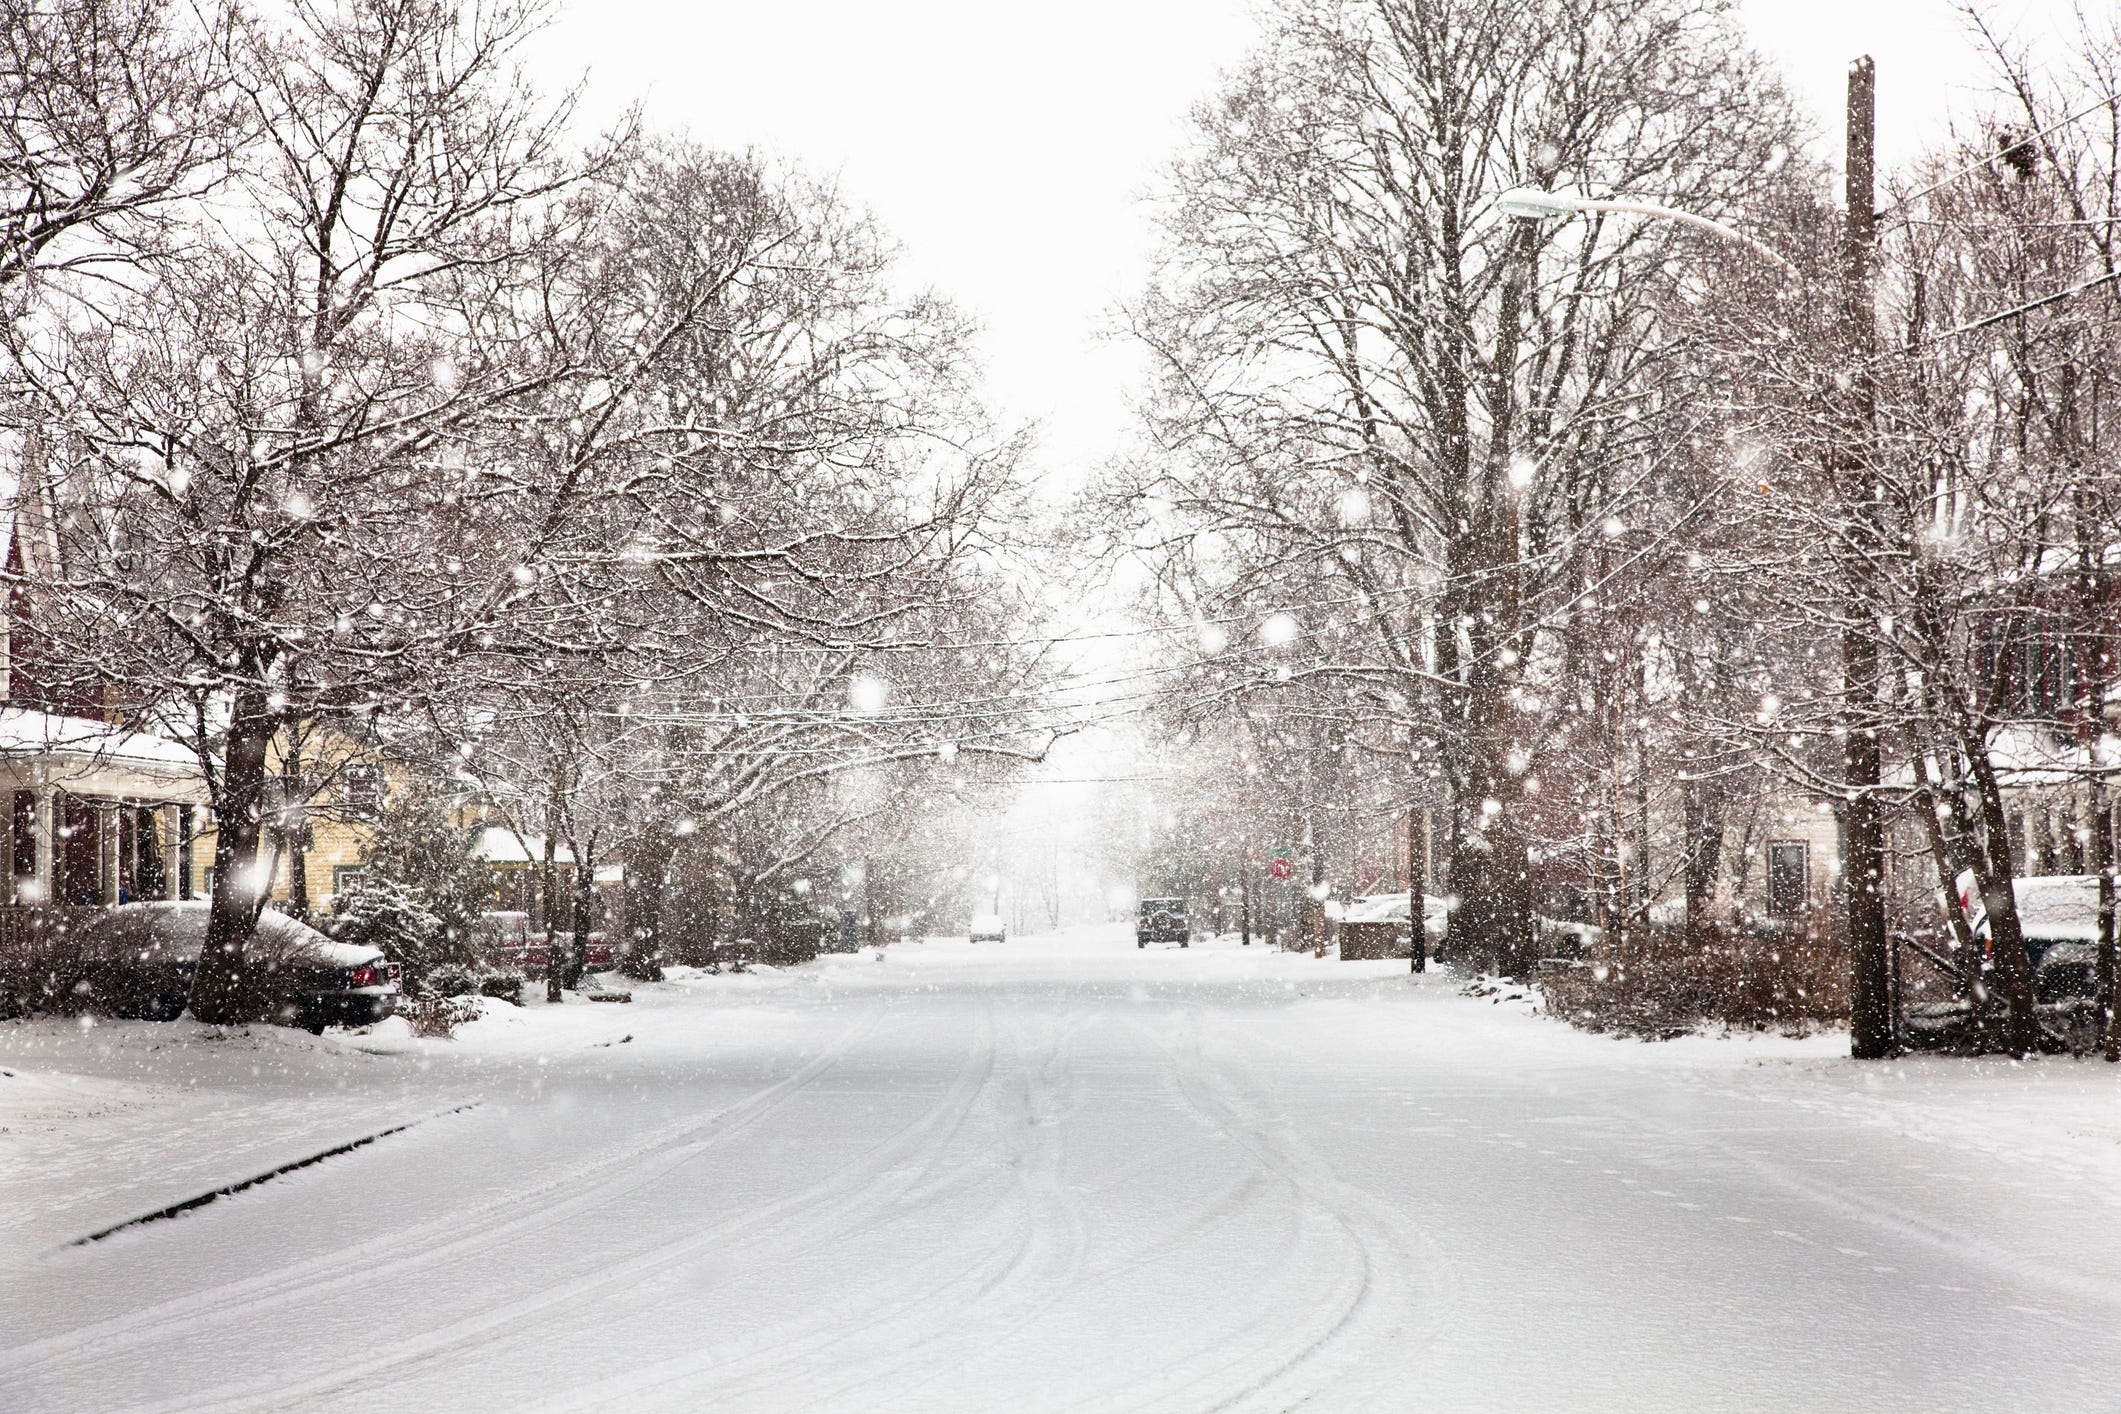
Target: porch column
point(107, 853)
point(172, 821)
point(41, 879)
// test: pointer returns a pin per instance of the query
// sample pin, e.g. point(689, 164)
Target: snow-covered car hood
point(2058, 907)
point(1393, 908)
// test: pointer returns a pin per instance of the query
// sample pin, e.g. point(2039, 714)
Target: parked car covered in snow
point(138, 961)
point(989, 928)
point(1379, 925)
point(2059, 915)
point(505, 939)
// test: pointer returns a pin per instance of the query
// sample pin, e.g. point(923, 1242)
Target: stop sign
point(1281, 868)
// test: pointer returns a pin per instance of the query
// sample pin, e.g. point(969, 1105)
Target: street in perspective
point(1239, 705)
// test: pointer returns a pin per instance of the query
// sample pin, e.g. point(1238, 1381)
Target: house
point(2060, 708)
point(100, 815)
point(516, 864)
point(323, 838)
point(97, 814)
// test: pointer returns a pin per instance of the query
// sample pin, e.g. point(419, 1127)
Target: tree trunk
point(1706, 805)
point(548, 885)
point(585, 897)
point(2014, 970)
point(2104, 861)
point(877, 897)
point(1942, 854)
point(294, 819)
point(298, 873)
point(221, 990)
point(1640, 908)
point(1491, 860)
point(646, 869)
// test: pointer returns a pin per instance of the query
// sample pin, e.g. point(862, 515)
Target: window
point(1788, 877)
point(347, 876)
point(364, 792)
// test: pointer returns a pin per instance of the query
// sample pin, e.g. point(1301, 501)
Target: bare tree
point(1344, 313)
point(257, 444)
point(113, 115)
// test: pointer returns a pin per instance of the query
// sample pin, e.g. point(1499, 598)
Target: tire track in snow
point(849, 1198)
point(1378, 1317)
point(1036, 1268)
point(443, 1237)
point(1049, 1260)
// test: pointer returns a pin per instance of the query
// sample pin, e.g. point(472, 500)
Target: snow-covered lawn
point(1054, 1173)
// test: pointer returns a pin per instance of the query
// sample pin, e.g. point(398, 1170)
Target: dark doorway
point(81, 882)
point(1788, 877)
point(145, 880)
point(25, 809)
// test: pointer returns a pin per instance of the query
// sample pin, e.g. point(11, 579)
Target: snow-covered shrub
point(396, 917)
point(431, 1015)
point(456, 979)
point(453, 979)
point(1660, 982)
point(422, 891)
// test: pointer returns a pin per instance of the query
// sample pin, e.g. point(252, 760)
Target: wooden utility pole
point(1863, 835)
point(1417, 887)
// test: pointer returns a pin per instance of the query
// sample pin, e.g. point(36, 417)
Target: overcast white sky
point(1007, 144)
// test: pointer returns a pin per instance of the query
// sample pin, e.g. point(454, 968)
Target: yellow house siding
point(337, 841)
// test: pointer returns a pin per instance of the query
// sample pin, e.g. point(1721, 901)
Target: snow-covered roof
point(2027, 755)
point(2065, 559)
point(89, 757)
point(497, 844)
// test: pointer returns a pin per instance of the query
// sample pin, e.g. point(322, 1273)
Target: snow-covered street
point(1057, 1173)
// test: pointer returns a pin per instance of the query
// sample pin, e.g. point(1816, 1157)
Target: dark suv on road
point(1161, 920)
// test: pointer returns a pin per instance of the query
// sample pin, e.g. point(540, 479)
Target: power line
point(1992, 158)
point(2012, 313)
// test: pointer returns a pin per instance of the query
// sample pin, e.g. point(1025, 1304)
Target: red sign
point(1281, 868)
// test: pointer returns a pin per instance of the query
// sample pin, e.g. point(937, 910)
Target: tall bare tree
point(1343, 309)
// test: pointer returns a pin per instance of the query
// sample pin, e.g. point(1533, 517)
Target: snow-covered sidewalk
point(1050, 1174)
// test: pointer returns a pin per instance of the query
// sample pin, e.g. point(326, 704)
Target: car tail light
point(363, 976)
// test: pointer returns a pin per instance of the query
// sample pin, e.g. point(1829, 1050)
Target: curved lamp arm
point(1532, 204)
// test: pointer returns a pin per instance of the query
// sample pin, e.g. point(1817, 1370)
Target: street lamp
point(1863, 852)
point(1533, 204)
